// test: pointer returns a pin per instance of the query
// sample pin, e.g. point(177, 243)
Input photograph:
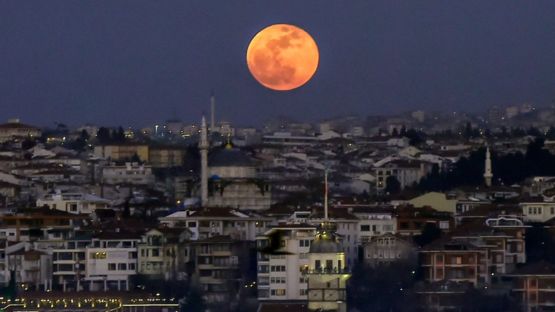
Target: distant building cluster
point(214, 217)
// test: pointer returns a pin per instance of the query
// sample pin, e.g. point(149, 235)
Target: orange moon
point(282, 57)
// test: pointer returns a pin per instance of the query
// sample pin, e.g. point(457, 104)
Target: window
point(132, 266)
point(444, 225)
point(111, 266)
point(277, 292)
point(304, 243)
point(317, 264)
point(191, 224)
point(303, 292)
point(458, 260)
point(365, 228)
point(277, 268)
point(98, 255)
point(155, 252)
point(277, 280)
point(122, 266)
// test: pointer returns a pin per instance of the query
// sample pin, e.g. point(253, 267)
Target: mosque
point(229, 179)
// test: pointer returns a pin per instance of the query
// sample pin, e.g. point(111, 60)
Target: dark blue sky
point(134, 62)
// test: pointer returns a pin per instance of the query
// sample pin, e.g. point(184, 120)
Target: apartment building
point(73, 202)
point(214, 221)
point(38, 223)
point(14, 129)
point(374, 221)
point(221, 266)
point(280, 275)
point(166, 156)
point(533, 286)
point(389, 248)
point(537, 210)
point(407, 172)
point(124, 152)
point(129, 173)
point(163, 253)
point(105, 262)
point(32, 268)
point(457, 261)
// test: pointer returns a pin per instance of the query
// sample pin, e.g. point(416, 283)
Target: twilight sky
point(133, 62)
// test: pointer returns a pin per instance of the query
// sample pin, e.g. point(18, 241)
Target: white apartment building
point(374, 221)
point(129, 173)
point(280, 275)
point(110, 262)
point(214, 221)
point(537, 211)
point(102, 263)
point(73, 202)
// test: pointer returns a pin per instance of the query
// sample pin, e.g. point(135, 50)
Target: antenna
point(212, 112)
point(326, 194)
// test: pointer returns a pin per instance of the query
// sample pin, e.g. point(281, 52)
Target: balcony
point(326, 271)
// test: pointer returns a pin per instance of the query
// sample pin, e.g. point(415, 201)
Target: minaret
point(203, 147)
point(212, 113)
point(488, 175)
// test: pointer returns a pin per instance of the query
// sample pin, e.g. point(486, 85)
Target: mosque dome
point(325, 240)
point(229, 157)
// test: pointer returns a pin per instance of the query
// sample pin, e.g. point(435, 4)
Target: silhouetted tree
point(103, 135)
point(119, 135)
point(394, 133)
point(430, 233)
point(193, 302)
point(28, 143)
point(383, 288)
point(392, 185)
point(415, 137)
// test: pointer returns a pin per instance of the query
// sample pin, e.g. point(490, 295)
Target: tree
point(119, 135)
point(392, 185)
point(415, 137)
point(403, 131)
point(383, 288)
point(193, 302)
point(28, 143)
point(430, 233)
point(103, 135)
point(394, 133)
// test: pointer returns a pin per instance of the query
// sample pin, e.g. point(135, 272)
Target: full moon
point(282, 57)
